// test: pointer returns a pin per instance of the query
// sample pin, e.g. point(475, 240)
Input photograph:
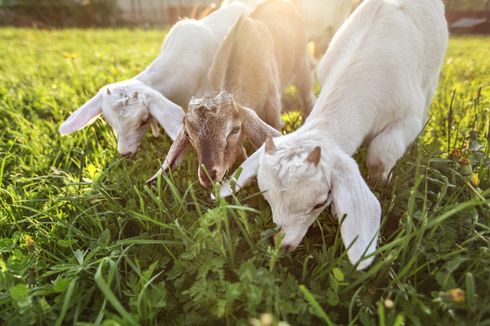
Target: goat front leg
point(388, 147)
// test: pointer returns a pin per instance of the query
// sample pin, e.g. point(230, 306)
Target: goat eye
point(235, 130)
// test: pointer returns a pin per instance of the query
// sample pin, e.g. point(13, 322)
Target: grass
point(84, 241)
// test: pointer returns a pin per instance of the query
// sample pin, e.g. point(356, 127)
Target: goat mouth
point(206, 183)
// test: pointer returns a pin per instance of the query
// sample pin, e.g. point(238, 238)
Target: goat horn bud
point(108, 91)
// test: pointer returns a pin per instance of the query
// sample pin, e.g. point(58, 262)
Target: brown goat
point(259, 57)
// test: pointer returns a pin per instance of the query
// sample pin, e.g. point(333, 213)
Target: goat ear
point(84, 116)
point(269, 146)
point(254, 128)
point(168, 114)
point(248, 169)
point(353, 199)
point(314, 156)
point(155, 127)
point(175, 155)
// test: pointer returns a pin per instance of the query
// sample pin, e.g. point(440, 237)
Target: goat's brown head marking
point(214, 128)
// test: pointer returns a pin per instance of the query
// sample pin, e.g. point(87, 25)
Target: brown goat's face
point(213, 126)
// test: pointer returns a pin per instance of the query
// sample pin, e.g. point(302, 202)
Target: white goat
point(324, 18)
point(379, 77)
point(156, 95)
point(251, 4)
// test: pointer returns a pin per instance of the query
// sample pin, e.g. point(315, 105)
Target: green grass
point(83, 240)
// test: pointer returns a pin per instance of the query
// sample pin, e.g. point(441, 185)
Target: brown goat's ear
point(177, 151)
point(254, 128)
point(175, 154)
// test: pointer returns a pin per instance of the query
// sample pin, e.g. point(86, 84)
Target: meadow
point(83, 239)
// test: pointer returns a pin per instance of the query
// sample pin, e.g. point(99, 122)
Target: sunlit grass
point(84, 240)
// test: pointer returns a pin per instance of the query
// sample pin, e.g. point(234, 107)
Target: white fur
point(251, 4)
point(179, 72)
point(379, 77)
point(324, 17)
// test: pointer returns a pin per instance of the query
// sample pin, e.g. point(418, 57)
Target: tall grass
point(83, 240)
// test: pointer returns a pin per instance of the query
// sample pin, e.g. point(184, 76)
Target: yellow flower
point(475, 180)
point(456, 295)
point(70, 55)
point(29, 242)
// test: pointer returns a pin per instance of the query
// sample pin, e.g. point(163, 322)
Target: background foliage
point(83, 13)
point(50, 13)
point(84, 240)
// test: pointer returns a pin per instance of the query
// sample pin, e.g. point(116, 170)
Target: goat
point(323, 18)
point(379, 77)
point(156, 95)
point(251, 4)
point(261, 54)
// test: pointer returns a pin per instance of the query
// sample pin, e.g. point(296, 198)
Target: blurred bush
point(58, 13)
point(467, 5)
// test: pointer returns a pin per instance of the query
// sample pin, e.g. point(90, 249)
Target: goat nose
point(207, 177)
point(209, 174)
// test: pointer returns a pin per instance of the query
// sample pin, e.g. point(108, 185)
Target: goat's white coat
point(179, 72)
point(324, 18)
point(251, 4)
point(379, 77)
